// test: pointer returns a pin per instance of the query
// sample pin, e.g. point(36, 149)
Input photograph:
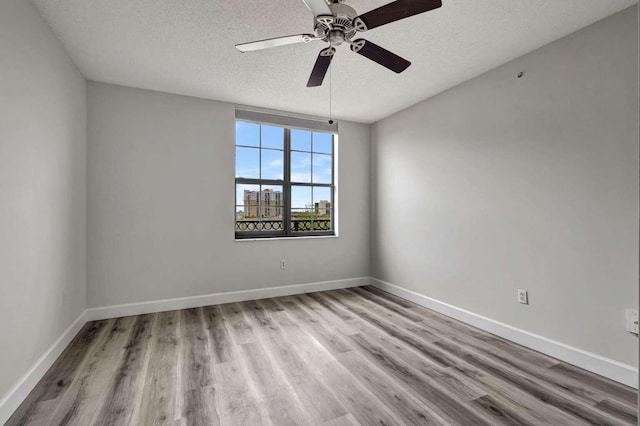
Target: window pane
point(300, 167)
point(301, 197)
point(239, 212)
point(272, 137)
point(272, 164)
point(302, 220)
point(247, 207)
point(322, 199)
point(271, 205)
point(321, 168)
point(322, 142)
point(323, 222)
point(245, 224)
point(248, 163)
point(300, 140)
point(322, 209)
point(247, 134)
point(302, 208)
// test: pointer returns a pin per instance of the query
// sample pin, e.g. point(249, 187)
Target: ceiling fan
point(337, 23)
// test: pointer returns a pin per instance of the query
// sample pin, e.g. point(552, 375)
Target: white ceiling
point(187, 47)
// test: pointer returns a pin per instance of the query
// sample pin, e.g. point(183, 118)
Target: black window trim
point(286, 183)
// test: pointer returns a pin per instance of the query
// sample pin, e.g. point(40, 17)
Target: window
point(284, 177)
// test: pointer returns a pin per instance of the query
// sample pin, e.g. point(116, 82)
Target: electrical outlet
point(283, 264)
point(632, 321)
point(523, 297)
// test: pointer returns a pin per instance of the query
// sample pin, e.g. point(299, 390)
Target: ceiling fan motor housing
point(337, 28)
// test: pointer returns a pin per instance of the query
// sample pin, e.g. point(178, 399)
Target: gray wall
point(42, 190)
point(161, 177)
point(504, 183)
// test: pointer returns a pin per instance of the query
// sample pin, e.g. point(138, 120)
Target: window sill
point(311, 237)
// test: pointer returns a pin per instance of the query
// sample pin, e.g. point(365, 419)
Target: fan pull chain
point(330, 92)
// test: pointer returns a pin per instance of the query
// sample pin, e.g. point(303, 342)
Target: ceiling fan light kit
point(337, 23)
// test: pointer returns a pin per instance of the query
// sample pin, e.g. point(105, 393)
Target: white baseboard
point(12, 399)
point(606, 367)
point(128, 309)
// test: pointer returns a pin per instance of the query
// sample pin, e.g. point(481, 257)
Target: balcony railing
point(297, 225)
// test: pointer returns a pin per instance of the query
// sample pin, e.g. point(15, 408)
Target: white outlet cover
point(632, 321)
point(523, 297)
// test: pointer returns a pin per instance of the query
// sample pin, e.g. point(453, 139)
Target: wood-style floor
point(343, 357)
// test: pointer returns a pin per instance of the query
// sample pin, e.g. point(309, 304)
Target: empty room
point(319, 212)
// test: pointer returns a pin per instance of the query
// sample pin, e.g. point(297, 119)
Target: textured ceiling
point(187, 47)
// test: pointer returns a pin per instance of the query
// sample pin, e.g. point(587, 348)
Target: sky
point(310, 161)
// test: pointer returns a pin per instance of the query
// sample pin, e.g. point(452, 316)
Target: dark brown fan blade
point(378, 54)
point(321, 67)
point(394, 11)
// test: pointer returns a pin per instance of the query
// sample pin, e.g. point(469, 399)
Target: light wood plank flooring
point(343, 357)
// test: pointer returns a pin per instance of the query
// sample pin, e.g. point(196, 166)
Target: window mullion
point(286, 217)
point(260, 176)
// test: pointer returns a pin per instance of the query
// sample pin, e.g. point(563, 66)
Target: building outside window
point(285, 180)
